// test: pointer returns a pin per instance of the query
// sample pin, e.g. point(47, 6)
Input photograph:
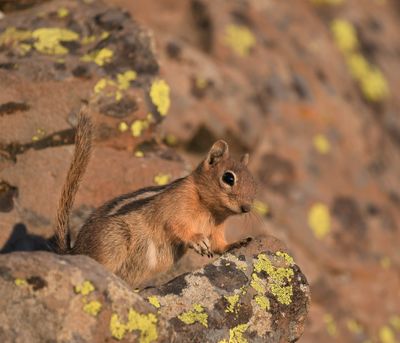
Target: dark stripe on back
point(108, 206)
point(136, 204)
point(133, 206)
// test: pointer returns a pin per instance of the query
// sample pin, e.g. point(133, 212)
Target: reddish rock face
point(271, 77)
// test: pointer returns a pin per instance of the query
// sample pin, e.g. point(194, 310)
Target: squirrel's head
point(225, 185)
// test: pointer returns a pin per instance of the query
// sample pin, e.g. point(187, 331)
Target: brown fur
point(83, 149)
point(139, 234)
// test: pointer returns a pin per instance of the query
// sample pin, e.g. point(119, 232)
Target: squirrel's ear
point(245, 159)
point(219, 151)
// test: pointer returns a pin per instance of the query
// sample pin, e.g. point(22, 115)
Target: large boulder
point(252, 294)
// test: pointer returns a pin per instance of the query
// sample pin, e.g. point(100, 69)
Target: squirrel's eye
point(228, 178)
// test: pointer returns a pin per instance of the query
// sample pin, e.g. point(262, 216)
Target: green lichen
point(48, 40)
point(195, 315)
point(84, 288)
point(146, 324)
point(279, 277)
point(93, 308)
point(262, 301)
point(232, 302)
point(159, 94)
point(154, 301)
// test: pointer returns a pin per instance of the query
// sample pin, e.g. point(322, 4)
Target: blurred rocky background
point(309, 87)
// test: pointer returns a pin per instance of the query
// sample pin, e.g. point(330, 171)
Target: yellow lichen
point(40, 133)
point(386, 335)
point(372, 82)
point(93, 308)
point(12, 36)
point(171, 139)
point(195, 315)
point(327, 2)
point(104, 35)
point(330, 325)
point(319, 220)
point(159, 94)
point(62, 12)
point(124, 79)
point(48, 40)
point(236, 334)
point(139, 153)
point(20, 282)
point(138, 126)
point(84, 288)
point(321, 144)
point(162, 179)
point(117, 328)
point(232, 302)
point(123, 126)
point(385, 262)
point(345, 35)
point(100, 57)
point(353, 326)
point(260, 207)
point(154, 301)
point(262, 301)
point(278, 279)
point(145, 323)
point(257, 284)
point(201, 82)
point(240, 39)
point(395, 322)
point(374, 86)
point(88, 39)
point(288, 259)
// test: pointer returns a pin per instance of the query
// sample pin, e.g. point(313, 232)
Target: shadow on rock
point(21, 240)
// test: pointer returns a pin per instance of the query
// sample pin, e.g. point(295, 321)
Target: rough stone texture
point(293, 85)
point(41, 301)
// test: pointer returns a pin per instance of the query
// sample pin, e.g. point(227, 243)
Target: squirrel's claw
point(202, 247)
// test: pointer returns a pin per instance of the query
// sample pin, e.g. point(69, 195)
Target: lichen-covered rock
point(74, 52)
point(248, 295)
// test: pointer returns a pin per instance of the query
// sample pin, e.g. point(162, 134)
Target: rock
point(249, 295)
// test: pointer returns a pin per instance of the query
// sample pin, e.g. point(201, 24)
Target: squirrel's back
point(80, 160)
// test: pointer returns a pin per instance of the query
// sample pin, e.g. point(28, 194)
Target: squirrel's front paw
point(202, 246)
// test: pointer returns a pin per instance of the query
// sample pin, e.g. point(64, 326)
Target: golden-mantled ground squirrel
point(139, 234)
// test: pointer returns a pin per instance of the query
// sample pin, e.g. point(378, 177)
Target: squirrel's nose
point(245, 208)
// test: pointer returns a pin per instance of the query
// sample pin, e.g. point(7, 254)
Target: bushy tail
point(83, 148)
